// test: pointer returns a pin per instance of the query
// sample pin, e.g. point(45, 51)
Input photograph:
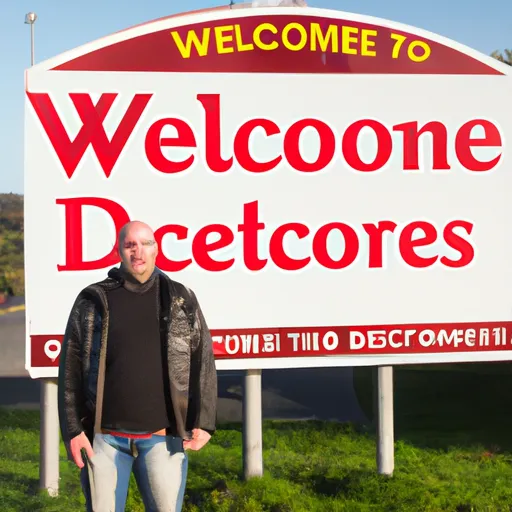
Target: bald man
point(137, 381)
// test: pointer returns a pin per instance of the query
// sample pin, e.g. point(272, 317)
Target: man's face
point(138, 251)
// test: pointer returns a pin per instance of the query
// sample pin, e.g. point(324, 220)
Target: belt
point(130, 435)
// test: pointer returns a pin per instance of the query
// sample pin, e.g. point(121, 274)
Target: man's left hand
point(199, 439)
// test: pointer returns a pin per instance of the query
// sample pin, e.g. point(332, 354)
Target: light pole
point(30, 19)
point(49, 431)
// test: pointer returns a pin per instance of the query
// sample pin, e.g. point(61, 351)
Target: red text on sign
point(233, 344)
point(332, 145)
point(408, 239)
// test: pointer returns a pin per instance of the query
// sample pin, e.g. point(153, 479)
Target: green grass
point(453, 453)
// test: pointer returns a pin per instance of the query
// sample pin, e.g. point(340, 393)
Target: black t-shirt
point(136, 382)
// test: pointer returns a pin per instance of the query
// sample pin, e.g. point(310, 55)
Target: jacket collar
point(123, 278)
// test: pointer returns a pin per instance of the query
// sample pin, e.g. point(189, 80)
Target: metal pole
point(49, 437)
point(385, 427)
point(30, 19)
point(32, 51)
point(49, 440)
point(252, 425)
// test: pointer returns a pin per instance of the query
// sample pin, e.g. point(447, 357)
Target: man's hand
point(199, 439)
point(77, 444)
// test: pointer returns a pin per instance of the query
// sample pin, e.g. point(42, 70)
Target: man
point(137, 381)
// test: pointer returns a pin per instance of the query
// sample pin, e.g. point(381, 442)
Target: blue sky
point(63, 25)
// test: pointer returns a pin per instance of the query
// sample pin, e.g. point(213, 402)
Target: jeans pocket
point(174, 445)
point(102, 441)
point(111, 441)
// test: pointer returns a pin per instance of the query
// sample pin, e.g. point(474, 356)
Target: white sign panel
point(335, 188)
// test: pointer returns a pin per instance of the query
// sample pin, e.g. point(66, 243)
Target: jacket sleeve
point(70, 390)
point(202, 410)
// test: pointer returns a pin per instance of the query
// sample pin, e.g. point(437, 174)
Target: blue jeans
point(159, 464)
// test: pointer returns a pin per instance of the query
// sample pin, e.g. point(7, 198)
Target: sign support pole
point(49, 437)
point(385, 423)
point(252, 425)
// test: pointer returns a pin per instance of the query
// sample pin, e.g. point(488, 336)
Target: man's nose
point(137, 250)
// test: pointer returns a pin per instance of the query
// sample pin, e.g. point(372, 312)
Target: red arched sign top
point(282, 43)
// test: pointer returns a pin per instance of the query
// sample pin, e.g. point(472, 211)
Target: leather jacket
point(190, 359)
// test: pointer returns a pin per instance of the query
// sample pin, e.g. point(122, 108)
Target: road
point(325, 393)
point(12, 339)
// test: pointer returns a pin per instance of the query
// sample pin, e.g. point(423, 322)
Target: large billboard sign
point(334, 187)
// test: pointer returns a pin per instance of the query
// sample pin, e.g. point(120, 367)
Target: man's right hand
point(77, 444)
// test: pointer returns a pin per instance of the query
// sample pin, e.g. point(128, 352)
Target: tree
point(505, 57)
point(12, 276)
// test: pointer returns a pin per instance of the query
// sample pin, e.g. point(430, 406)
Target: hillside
point(12, 276)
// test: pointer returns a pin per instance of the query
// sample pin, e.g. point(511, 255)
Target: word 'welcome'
point(332, 144)
point(293, 36)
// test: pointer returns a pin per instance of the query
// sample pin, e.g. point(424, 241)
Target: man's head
point(138, 250)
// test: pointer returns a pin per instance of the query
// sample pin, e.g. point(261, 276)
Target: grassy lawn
point(453, 453)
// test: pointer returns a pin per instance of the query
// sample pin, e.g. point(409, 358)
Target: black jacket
point(190, 360)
